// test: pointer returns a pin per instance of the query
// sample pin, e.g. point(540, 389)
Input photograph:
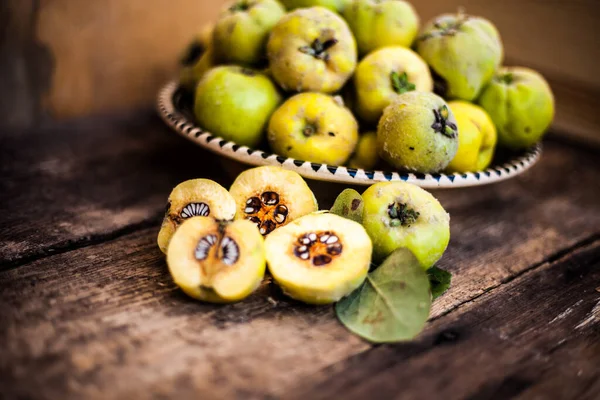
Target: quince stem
point(400, 83)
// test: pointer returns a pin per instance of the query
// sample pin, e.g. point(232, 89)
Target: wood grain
point(103, 316)
point(71, 184)
point(535, 337)
point(501, 230)
point(107, 319)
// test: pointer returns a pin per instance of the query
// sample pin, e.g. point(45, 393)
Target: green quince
point(381, 23)
point(385, 74)
point(235, 103)
point(333, 5)
point(242, 30)
point(312, 50)
point(521, 104)
point(463, 52)
point(418, 132)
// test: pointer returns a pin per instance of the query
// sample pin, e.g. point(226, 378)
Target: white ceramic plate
point(174, 112)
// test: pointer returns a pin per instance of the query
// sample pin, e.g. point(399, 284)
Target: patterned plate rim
point(324, 172)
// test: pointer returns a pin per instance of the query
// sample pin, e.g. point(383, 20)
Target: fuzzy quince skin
point(521, 104)
point(463, 51)
point(400, 214)
point(365, 155)
point(418, 132)
point(241, 32)
point(385, 74)
point(235, 103)
point(313, 127)
point(477, 139)
point(311, 49)
point(381, 23)
point(333, 5)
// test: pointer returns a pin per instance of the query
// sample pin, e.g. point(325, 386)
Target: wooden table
point(88, 309)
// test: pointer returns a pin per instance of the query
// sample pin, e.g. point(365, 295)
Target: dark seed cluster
point(195, 209)
point(319, 247)
point(266, 212)
point(229, 250)
point(204, 246)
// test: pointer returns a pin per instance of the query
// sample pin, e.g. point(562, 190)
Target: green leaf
point(349, 204)
point(439, 280)
point(392, 305)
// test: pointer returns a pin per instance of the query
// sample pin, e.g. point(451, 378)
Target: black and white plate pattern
point(179, 119)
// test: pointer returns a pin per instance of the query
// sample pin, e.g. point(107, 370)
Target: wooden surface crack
point(80, 243)
point(590, 240)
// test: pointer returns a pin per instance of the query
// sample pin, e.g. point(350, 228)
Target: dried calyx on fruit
point(195, 197)
point(271, 197)
point(311, 50)
point(442, 124)
point(402, 215)
point(319, 258)
point(216, 261)
point(318, 49)
point(446, 27)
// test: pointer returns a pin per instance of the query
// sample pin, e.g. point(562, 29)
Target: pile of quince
point(361, 83)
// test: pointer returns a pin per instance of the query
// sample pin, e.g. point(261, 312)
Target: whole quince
point(418, 132)
point(381, 23)
point(241, 32)
point(385, 74)
point(521, 104)
point(463, 51)
point(235, 103)
point(313, 127)
point(311, 49)
point(477, 139)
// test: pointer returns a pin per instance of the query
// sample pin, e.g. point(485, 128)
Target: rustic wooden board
point(108, 318)
point(105, 318)
point(502, 230)
point(89, 308)
point(535, 337)
point(72, 184)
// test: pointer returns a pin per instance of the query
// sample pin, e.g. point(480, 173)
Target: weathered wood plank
point(115, 303)
point(74, 183)
point(500, 231)
point(535, 337)
point(107, 319)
